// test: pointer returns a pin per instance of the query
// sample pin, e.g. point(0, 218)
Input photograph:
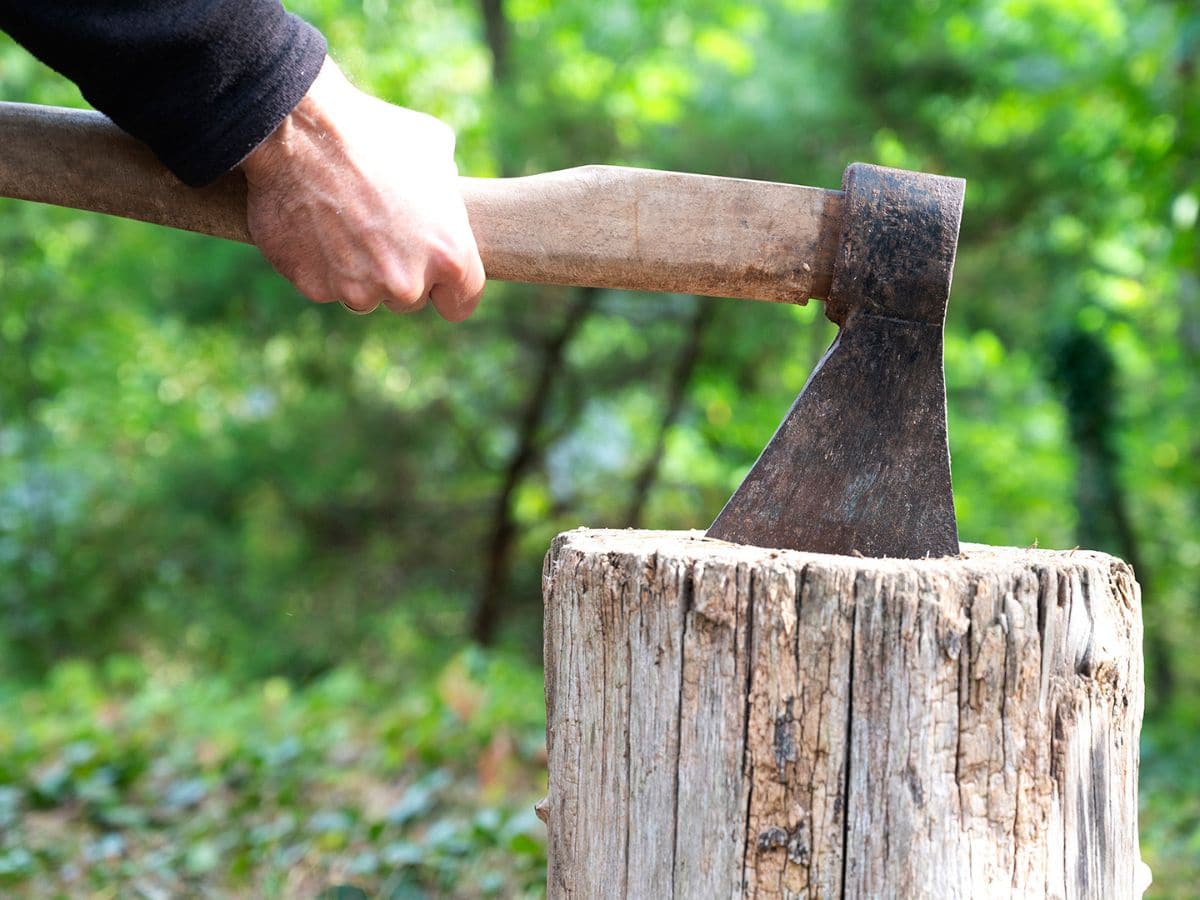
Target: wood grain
point(608, 226)
point(599, 226)
point(727, 721)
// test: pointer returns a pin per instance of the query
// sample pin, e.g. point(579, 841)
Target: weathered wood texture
point(611, 226)
point(727, 721)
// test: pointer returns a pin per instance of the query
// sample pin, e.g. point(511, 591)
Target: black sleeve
point(203, 82)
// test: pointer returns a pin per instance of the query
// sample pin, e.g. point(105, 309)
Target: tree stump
point(728, 721)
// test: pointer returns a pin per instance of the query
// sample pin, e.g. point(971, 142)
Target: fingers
point(355, 200)
point(456, 289)
point(404, 305)
point(403, 293)
point(359, 297)
point(452, 279)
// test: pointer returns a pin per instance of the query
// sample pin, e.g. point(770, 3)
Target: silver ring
point(359, 312)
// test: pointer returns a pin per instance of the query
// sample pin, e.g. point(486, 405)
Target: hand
point(356, 200)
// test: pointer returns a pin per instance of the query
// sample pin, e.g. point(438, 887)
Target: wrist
point(310, 122)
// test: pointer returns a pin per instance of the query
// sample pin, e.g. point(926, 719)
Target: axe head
point(861, 463)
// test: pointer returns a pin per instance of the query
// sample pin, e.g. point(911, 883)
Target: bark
point(728, 721)
point(681, 377)
point(495, 29)
point(502, 538)
point(1086, 374)
point(502, 535)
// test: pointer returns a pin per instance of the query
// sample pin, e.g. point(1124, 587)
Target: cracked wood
point(728, 721)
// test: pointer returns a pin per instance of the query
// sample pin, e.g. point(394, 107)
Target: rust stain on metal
point(861, 462)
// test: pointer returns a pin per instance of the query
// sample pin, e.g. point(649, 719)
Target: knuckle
point(452, 269)
point(405, 292)
point(449, 260)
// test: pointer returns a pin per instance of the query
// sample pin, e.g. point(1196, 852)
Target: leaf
point(343, 892)
point(10, 805)
point(331, 821)
point(106, 847)
point(16, 861)
point(419, 799)
point(202, 857)
point(185, 793)
point(402, 853)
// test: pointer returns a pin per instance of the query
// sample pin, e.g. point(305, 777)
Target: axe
point(860, 464)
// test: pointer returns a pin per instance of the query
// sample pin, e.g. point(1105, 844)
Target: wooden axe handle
point(602, 226)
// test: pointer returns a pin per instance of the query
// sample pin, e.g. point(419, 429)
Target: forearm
point(203, 82)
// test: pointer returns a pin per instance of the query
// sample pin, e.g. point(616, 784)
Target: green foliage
point(202, 472)
point(1170, 806)
point(408, 783)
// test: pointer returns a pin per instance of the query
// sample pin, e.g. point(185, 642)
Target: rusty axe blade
point(861, 463)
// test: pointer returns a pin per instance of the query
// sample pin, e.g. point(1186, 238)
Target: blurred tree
point(190, 457)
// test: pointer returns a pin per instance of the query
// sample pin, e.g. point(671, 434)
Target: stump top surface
point(693, 546)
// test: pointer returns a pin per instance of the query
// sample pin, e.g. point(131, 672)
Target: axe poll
point(859, 465)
